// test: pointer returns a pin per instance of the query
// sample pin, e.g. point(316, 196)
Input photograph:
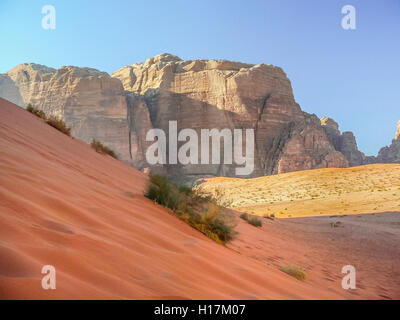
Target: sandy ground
point(65, 205)
point(368, 242)
point(321, 192)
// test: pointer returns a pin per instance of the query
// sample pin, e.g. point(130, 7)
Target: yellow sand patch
point(329, 191)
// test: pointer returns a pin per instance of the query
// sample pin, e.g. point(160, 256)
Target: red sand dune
point(65, 205)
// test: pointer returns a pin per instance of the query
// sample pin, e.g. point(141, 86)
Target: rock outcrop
point(391, 154)
point(92, 103)
point(223, 94)
point(9, 91)
point(120, 109)
point(345, 143)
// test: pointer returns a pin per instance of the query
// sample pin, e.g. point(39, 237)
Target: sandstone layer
point(345, 143)
point(120, 109)
point(206, 94)
point(92, 103)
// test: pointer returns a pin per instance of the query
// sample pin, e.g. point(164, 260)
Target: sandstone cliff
point(92, 103)
point(224, 94)
point(200, 94)
point(345, 143)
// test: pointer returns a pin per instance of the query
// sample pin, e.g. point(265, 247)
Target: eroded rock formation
point(345, 143)
point(200, 94)
point(92, 103)
point(224, 94)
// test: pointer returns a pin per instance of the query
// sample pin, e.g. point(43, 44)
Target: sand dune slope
point(62, 204)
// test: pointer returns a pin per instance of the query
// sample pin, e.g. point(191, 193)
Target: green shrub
point(294, 271)
point(198, 212)
point(100, 148)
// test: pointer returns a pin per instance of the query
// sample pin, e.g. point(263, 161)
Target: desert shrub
point(59, 124)
point(163, 192)
point(183, 188)
point(295, 272)
point(251, 220)
point(55, 122)
point(199, 212)
point(255, 222)
point(336, 224)
point(36, 112)
point(270, 216)
point(100, 148)
point(244, 216)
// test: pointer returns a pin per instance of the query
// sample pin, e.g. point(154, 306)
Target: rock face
point(221, 94)
point(345, 143)
point(391, 154)
point(9, 91)
point(92, 103)
point(120, 109)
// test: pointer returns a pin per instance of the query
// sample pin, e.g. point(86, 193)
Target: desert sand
point(65, 205)
point(321, 192)
point(369, 242)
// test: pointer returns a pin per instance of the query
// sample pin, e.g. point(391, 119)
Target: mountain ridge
point(119, 109)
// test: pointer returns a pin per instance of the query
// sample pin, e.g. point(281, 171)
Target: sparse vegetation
point(251, 220)
point(336, 224)
point(269, 216)
point(59, 124)
point(366, 189)
point(199, 212)
point(295, 272)
point(36, 112)
point(100, 148)
point(55, 122)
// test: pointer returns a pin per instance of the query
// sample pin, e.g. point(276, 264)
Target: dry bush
point(199, 212)
point(59, 124)
point(55, 122)
point(100, 148)
point(295, 272)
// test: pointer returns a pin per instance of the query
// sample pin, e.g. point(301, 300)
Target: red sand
point(65, 205)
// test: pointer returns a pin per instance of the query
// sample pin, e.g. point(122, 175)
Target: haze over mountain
point(118, 110)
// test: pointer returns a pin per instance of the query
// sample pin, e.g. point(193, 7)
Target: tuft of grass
point(199, 212)
point(36, 112)
point(59, 124)
point(55, 122)
point(336, 224)
point(254, 221)
point(100, 148)
point(295, 272)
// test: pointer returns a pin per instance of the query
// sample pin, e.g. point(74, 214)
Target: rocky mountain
point(346, 143)
point(92, 103)
point(224, 94)
point(391, 154)
point(120, 109)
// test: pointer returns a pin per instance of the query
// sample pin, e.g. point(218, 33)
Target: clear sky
point(352, 76)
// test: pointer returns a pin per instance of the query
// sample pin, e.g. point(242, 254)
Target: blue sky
point(349, 75)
